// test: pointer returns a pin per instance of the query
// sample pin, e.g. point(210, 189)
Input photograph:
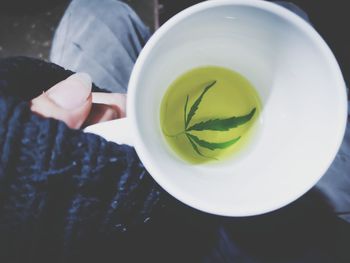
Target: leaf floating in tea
point(197, 102)
point(196, 132)
point(213, 125)
point(222, 124)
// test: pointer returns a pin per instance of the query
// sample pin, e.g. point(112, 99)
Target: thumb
point(69, 100)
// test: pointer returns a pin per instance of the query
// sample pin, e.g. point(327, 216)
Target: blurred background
point(27, 26)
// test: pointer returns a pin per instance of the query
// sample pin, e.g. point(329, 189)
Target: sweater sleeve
point(58, 182)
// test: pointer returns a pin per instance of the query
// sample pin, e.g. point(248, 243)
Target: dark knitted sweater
point(61, 190)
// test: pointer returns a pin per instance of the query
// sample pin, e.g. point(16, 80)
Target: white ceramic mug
point(302, 91)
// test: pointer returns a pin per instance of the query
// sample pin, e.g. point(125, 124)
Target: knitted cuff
point(62, 186)
point(26, 78)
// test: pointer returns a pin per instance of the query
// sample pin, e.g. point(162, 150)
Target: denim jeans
point(102, 38)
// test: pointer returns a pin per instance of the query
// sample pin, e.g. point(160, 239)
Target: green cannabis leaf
point(194, 145)
point(222, 124)
point(196, 103)
point(185, 111)
point(212, 145)
point(212, 124)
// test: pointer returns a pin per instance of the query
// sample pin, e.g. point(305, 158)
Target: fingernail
point(72, 92)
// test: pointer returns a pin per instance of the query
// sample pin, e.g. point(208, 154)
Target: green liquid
point(232, 95)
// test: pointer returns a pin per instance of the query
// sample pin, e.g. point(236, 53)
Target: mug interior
point(300, 85)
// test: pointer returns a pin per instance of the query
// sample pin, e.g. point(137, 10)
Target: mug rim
point(273, 8)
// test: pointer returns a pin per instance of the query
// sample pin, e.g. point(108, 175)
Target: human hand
point(72, 102)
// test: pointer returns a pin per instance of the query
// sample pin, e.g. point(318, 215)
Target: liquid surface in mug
point(208, 114)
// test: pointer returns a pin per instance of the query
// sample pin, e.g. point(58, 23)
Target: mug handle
point(117, 131)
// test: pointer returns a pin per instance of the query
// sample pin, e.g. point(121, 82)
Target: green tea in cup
point(208, 113)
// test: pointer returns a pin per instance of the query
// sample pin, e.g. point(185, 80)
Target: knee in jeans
point(103, 9)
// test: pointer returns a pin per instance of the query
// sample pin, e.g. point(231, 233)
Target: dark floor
point(29, 34)
point(330, 18)
point(28, 31)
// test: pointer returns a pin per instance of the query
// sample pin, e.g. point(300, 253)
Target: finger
point(117, 101)
point(101, 113)
point(69, 101)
